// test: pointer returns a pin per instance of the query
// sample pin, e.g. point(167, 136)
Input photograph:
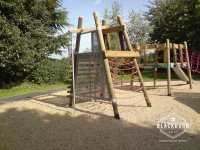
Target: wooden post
point(156, 64)
point(80, 22)
point(165, 55)
point(133, 70)
point(145, 56)
point(106, 36)
point(135, 63)
point(106, 65)
point(180, 54)
point(174, 55)
point(188, 63)
point(107, 42)
point(168, 69)
point(121, 40)
point(120, 34)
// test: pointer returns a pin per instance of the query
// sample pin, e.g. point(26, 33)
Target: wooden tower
point(101, 52)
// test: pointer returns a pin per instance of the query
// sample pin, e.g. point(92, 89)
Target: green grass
point(160, 75)
point(29, 88)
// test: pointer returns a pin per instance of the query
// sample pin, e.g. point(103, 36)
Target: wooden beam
point(107, 68)
point(120, 34)
point(168, 69)
point(151, 47)
point(125, 54)
point(188, 62)
point(87, 29)
point(135, 63)
point(174, 54)
point(114, 29)
point(125, 34)
point(180, 54)
point(106, 36)
point(145, 57)
point(162, 46)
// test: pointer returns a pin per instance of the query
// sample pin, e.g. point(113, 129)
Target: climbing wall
point(90, 78)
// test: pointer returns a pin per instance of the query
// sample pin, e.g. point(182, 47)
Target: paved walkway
point(29, 95)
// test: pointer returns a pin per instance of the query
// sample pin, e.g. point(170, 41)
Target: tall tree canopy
point(30, 30)
point(177, 20)
point(137, 27)
point(111, 20)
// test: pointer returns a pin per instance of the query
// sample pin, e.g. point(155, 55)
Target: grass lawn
point(24, 88)
point(148, 74)
point(29, 88)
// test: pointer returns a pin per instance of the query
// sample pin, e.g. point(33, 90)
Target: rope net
point(128, 90)
point(194, 59)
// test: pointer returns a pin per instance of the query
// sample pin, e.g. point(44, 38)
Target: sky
point(85, 8)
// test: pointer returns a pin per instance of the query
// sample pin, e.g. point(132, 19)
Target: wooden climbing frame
point(106, 53)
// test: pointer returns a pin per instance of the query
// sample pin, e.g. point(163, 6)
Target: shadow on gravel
point(37, 130)
point(191, 100)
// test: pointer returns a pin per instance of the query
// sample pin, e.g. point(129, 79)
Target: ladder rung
point(69, 86)
point(68, 91)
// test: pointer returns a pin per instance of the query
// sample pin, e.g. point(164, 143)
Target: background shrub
point(51, 71)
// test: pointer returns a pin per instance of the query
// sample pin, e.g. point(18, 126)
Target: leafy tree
point(30, 30)
point(175, 20)
point(111, 20)
point(138, 28)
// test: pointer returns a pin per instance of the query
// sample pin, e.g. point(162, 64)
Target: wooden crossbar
point(124, 54)
point(87, 29)
point(114, 29)
point(159, 46)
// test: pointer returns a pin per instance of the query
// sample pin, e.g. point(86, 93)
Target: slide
point(181, 74)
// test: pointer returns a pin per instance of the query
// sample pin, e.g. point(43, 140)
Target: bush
point(11, 78)
point(51, 71)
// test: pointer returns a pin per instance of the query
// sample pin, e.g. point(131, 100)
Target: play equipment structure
point(179, 60)
point(94, 72)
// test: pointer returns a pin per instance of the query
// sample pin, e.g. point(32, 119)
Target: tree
point(111, 20)
point(30, 30)
point(138, 28)
point(175, 20)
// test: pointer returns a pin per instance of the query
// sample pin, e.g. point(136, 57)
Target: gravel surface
point(42, 122)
